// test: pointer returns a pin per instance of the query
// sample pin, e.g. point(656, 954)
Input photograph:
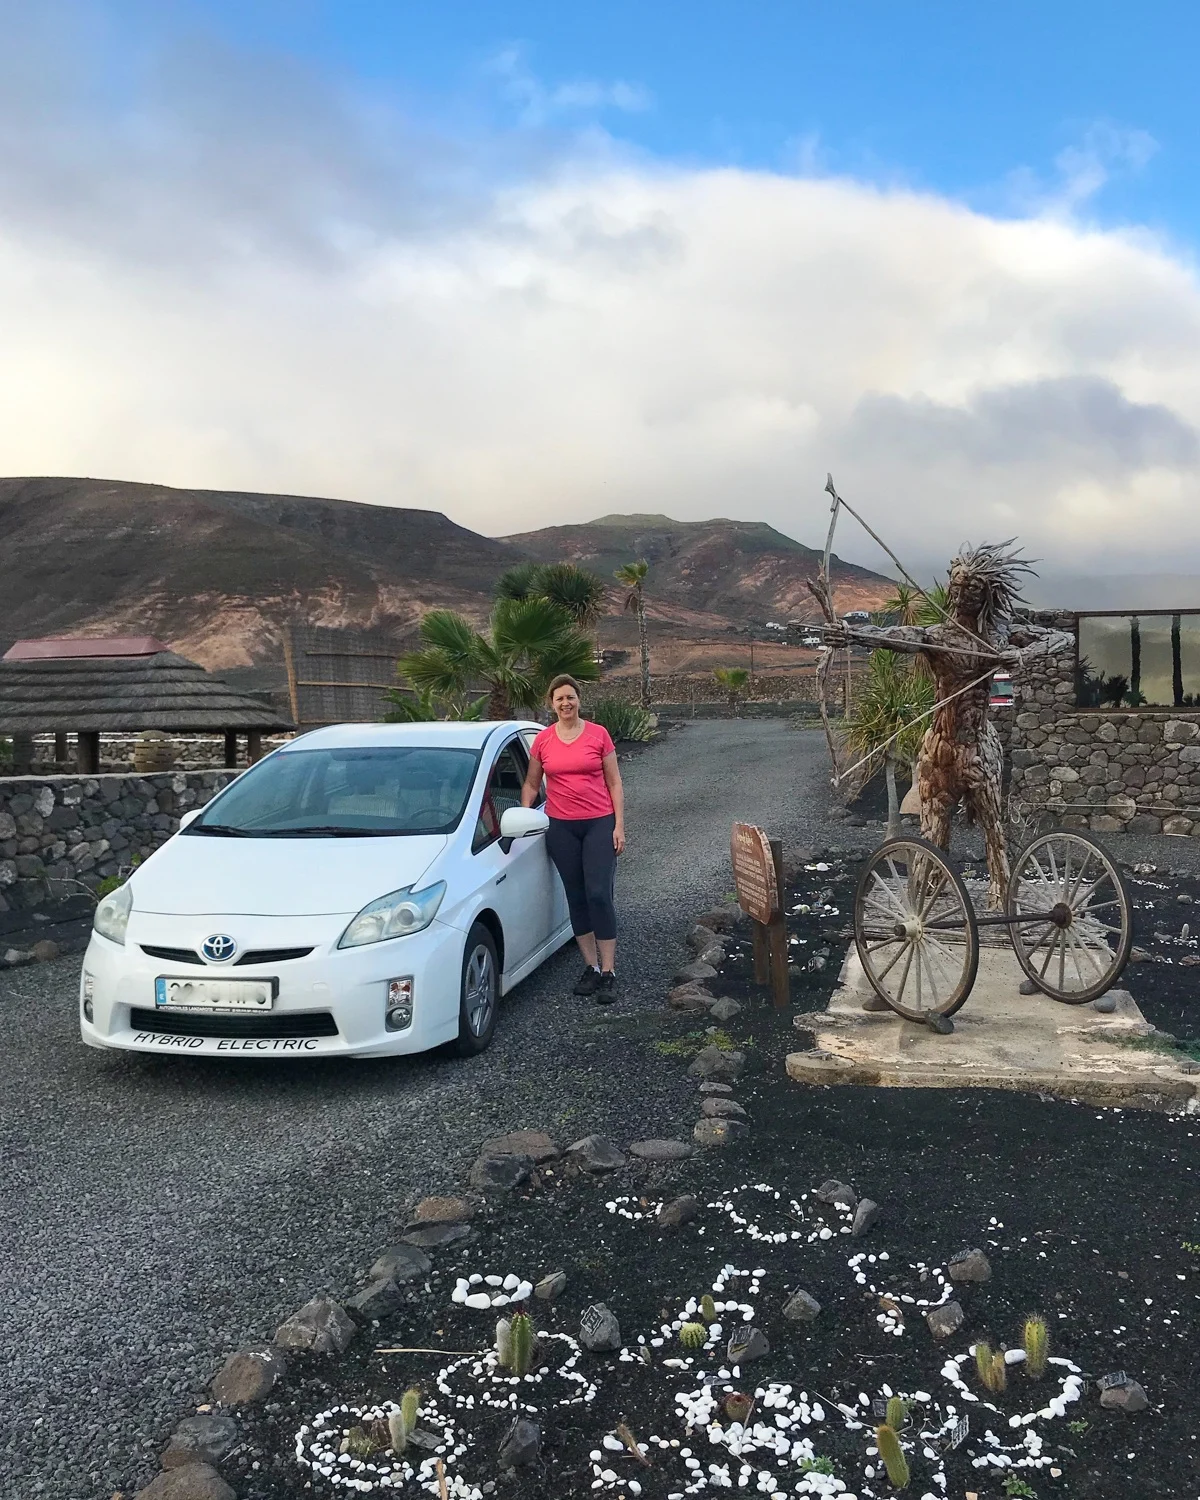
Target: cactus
point(504, 1343)
point(521, 1335)
point(693, 1335)
point(983, 1364)
point(708, 1309)
point(897, 1413)
point(892, 1454)
point(402, 1424)
point(1037, 1346)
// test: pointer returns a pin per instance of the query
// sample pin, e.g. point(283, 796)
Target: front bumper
point(330, 990)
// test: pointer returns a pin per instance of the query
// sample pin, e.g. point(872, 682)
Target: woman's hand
point(619, 839)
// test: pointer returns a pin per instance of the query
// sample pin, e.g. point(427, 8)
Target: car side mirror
point(189, 817)
point(521, 823)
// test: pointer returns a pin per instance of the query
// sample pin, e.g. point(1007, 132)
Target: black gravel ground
point(160, 1212)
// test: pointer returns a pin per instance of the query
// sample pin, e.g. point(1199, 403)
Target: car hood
point(195, 875)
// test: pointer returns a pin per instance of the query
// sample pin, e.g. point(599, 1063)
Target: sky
point(531, 263)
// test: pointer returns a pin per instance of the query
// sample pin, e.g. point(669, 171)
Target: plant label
point(1111, 1382)
point(958, 1434)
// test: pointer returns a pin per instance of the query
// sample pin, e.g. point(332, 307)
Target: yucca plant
point(891, 1451)
point(1036, 1341)
point(889, 702)
point(732, 681)
point(408, 705)
point(624, 721)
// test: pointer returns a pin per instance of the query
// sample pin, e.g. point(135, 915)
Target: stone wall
point(60, 835)
point(1110, 770)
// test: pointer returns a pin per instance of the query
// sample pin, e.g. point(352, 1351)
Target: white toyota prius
point(368, 889)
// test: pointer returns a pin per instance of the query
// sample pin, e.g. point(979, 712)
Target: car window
point(529, 735)
point(503, 791)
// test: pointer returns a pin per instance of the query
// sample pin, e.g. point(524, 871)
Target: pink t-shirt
point(575, 784)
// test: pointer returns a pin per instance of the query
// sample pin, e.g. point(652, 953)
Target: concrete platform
point(1001, 1039)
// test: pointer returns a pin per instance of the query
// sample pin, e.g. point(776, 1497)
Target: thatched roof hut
point(121, 686)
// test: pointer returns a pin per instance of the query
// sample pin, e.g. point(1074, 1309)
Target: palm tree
point(519, 582)
point(574, 589)
point(529, 641)
point(632, 576)
point(731, 681)
point(904, 607)
point(1135, 660)
point(889, 702)
point(1176, 661)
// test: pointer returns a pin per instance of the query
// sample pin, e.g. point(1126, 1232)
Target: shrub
point(624, 721)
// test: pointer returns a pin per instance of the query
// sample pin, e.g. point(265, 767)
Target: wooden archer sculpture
point(960, 757)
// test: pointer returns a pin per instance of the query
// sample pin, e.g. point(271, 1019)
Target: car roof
point(434, 734)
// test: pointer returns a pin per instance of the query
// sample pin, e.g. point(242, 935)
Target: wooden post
point(87, 752)
point(231, 749)
point(22, 754)
point(60, 749)
point(777, 937)
point(762, 954)
point(253, 745)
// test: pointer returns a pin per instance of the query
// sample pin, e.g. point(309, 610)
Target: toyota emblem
point(219, 948)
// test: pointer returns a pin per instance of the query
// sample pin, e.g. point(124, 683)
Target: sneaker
point(588, 981)
point(606, 988)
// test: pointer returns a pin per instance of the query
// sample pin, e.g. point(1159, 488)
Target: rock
point(377, 1298)
point(655, 1150)
point(837, 1192)
point(865, 1215)
point(945, 1320)
point(876, 1005)
point(444, 1210)
point(205, 1438)
point(943, 1025)
point(970, 1265)
point(599, 1329)
point(1105, 1004)
point(14, 957)
point(717, 1108)
point(712, 1062)
point(722, 919)
point(431, 1236)
point(715, 1088)
point(521, 1445)
point(718, 1132)
point(801, 1307)
point(551, 1287)
point(1128, 1397)
point(747, 1343)
point(1027, 987)
point(199, 1481)
point(695, 972)
point(724, 1009)
point(535, 1144)
point(701, 937)
point(321, 1326)
point(594, 1153)
point(1138, 955)
point(500, 1174)
point(44, 950)
point(692, 999)
point(249, 1375)
point(679, 1211)
point(400, 1263)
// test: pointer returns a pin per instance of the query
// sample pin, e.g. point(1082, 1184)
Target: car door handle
point(500, 879)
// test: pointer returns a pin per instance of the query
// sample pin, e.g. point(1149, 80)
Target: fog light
point(89, 985)
point(87, 1010)
point(399, 1003)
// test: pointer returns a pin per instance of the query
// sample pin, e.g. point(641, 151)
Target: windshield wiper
point(321, 830)
point(219, 830)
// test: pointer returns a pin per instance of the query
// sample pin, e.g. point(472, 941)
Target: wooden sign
point(754, 872)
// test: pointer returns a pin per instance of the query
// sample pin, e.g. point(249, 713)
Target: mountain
point(742, 570)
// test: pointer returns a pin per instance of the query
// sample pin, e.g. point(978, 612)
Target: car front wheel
point(478, 993)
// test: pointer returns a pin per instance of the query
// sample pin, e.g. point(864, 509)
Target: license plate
point(215, 994)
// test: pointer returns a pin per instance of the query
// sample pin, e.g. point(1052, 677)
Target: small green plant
point(818, 1465)
point(708, 1309)
point(897, 1413)
point(1190, 1247)
point(403, 1423)
point(891, 1451)
point(992, 1368)
point(359, 1443)
point(521, 1336)
point(1079, 1426)
point(1037, 1346)
point(504, 1343)
point(624, 721)
point(693, 1335)
point(1014, 1485)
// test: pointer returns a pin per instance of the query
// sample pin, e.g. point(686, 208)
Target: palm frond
point(573, 589)
point(522, 581)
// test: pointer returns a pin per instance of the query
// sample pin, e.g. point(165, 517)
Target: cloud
point(240, 276)
point(539, 104)
point(1104, 152)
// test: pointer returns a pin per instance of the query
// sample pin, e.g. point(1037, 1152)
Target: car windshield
point(344, 793)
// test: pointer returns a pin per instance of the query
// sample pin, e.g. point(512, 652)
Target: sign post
point(758, 878)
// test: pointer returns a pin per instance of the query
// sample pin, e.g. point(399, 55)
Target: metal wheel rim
point(1077, 960)
point(931, 968)
point(479, 990)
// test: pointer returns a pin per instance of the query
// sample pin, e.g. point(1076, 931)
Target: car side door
point(517, 883)
point(558, 893)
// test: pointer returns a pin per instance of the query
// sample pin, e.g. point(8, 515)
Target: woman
point(586, 805)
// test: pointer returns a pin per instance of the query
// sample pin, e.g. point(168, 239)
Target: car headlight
point(397, 915)
point(112, 915)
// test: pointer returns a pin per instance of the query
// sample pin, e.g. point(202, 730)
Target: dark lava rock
point(971, 1265)
point(943, 1025)
point(202, 1439)
point(679, 1211)
point(695, 972)
point(865, 1215)
point(655, 1150)
point(709, 1132)
point(321, 1326)
point(945, 1320)
point(1105, 1004)
point(1027, 987)
point(801, 1307)
point(723, 919)
point(724, 1009)
point(431, 1236)
point(837, 1192)
point(712, 1062)
point(1128, 1397)
point(599, 1329)
point(401, 1263)
point(692, 999)
point(535, 1144)
point(247, 1376)
point(377, 1298)
point(747, 1343)
point(595, 1153)
point(722, 1109)
point(715, 1088)
point(500, 1174)
point(701, 937)
point(551, 1287)
point(521, 1446)
point(198, 1481)
point(443, 1211)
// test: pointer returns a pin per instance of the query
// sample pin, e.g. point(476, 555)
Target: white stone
point(479, 1300)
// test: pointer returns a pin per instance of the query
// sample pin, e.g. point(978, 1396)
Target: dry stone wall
point(60, 835)
point(1113, 771)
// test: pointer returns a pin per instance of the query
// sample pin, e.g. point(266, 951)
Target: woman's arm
point(533, 783)
point(616, 791)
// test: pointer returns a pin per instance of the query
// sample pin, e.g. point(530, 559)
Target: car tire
point(478, 992)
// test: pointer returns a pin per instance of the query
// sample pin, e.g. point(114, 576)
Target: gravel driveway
point(159, 1212)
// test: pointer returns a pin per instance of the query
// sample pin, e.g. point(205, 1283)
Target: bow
point(823, 594)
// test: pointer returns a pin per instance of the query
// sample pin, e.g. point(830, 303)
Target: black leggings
point(583, 854)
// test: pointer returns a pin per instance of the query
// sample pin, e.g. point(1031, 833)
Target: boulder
point(535, 1144)
point(432, 1236)
point(521, 1445)
point(801, 1307)
point(722, 919)
point(599, 1329)
point(377, 1298)
point(443, 1210)
point(747, 1343)
point(970, 1265)
point(865, 1215)
point(197, 1481)
point(679, 1211)
point(695, 972)
point(44, 950)
point(714, 1107)
point(1128, 1397)
point(835, 1192)
point(249, 1375)
point(691, 998)
point(710, 1133)
point(701, 937)
point(203, 1439)
point(945, 1320)
point(500, 1174)
point(655, 1150)
point(551, 1287)
point(594, 1153)
point(321, 1326)
point(401, 1263)
point(712, 1062)
point(724, 1009)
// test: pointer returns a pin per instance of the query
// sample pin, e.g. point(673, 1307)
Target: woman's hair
point(564, 679)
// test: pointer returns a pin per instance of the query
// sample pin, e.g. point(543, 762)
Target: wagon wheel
point(915, 931)
point(1071, 918)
